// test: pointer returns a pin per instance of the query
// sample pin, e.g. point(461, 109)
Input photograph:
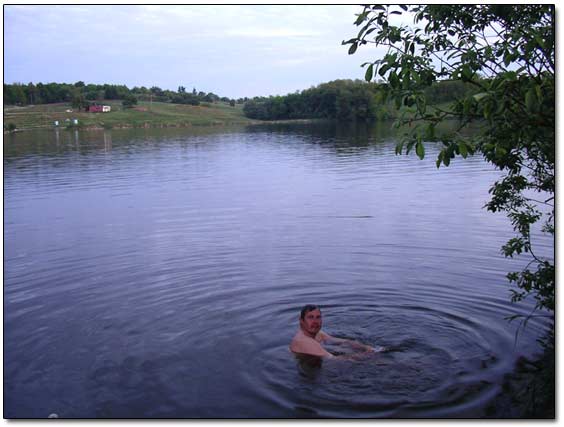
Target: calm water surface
point(160, 274)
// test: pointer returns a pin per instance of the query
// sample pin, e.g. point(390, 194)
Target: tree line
point(343, 100)
point(80, 94)
point(338, 99)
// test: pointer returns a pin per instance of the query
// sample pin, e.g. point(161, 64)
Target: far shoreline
point(154, 116)
point(161, 126)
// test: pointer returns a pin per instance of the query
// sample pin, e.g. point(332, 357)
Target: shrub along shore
point(529, 391)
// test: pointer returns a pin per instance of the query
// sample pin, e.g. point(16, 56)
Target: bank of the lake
point(529, 390)
point(144, 115)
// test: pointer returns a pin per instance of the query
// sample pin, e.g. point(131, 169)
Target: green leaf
point(487, 110)
point(462, 149)
point(500, 151)
point(540, 41)
point(421, 104)
point(420, 150)
point(479, 96)
point(406, 79)
point(430, 132)
point(393, 79)
point(369, 73)
point(538, 91)
point(399, 147)
point(363, 30)
point(383, 69)
point(397, 101)
point(353, 48)
point(439, 159)
point(466, 73)
point(470, 148)
point(360, 18)
point(446, 160)
point(531, 100)
point(467, 106)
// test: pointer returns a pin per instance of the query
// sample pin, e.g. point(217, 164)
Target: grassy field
point(145, 114)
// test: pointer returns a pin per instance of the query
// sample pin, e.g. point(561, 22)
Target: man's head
point(310, 320)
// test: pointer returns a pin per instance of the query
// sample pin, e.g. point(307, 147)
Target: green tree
point(506, 53)
point(78, 100)
point(32, 94)
point(111, 92)
point(14, 94)
point(129, 101)
point(256, 109)
point(338, 99)
point(156, 90)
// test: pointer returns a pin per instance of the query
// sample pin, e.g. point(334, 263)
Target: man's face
point(311, 323)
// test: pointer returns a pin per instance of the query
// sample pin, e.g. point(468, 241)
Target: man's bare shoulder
point(306, 345)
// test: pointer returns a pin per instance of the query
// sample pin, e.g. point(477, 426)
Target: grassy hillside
point(144, 115)
point(157, 114)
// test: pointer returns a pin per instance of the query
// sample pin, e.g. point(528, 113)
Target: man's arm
point(315, 349)
point(354, 344)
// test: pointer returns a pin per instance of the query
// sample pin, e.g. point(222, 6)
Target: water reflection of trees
point(341, 138)
point(344, 138)
point(59, 142)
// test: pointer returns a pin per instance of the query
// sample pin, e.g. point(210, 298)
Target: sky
point(233, 51)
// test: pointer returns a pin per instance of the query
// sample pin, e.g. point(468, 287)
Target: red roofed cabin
point(98, 109)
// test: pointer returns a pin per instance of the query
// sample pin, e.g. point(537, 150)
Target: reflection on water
point(160, 273)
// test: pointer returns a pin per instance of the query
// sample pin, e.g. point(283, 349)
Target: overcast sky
point(233, 51)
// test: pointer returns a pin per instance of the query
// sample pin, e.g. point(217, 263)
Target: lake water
point(160, 273)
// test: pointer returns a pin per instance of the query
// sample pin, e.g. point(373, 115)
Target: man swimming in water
point(309, 337)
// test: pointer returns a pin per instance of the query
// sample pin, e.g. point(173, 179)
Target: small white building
point(98, 108)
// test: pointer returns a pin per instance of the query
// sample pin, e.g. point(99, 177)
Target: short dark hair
point(307, 308)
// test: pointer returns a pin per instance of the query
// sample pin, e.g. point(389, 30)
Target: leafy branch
point(506, 55)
